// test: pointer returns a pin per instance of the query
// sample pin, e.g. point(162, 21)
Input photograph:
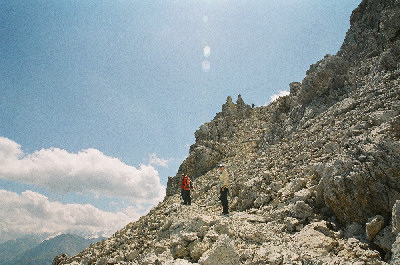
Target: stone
point(396, 251)
point(354, 229)
point(179, 251)
point(301, 210)
point(180, 262)
point(396, 217)
point(311, 237)
point(189, 237)
point(291, 223)
point(132, 255)
point(222, 252)
point(385, 239)
point(197, 248)
point(102, 261)
point(374, 226)
point(59, 259)
point(269, 254)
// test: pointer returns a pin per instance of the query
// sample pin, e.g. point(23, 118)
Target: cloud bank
point(33, 213)
point(281, 93)
point(156, 161)
point(88, 171)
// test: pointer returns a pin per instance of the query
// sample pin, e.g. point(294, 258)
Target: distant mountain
point(14, 248)
point(44, 253)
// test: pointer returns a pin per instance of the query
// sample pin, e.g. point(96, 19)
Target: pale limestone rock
point(189, 237)
point(311, 237)
point(269, 254)
point(223, 252)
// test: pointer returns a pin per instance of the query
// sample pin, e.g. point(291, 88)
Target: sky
point(99, 100)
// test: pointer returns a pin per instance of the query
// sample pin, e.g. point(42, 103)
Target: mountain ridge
point(40, 251)
point(12, 248)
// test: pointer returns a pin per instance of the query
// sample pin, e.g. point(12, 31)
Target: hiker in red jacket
point(186, 187)
point(182, 188)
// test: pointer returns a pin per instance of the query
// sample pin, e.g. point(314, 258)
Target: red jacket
point(186, 183)
point(183, 183)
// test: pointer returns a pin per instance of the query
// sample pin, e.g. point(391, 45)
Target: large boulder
point(223, 252)
point(361, 186)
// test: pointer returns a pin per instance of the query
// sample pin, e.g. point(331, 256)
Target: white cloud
point(155, 161)
point(88, 171)
point(281, 93)
point(33, 213)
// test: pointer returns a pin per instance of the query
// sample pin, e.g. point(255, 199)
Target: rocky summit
point(314, 176)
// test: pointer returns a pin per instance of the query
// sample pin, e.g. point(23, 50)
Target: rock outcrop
point(315, 176)
point(213, 142)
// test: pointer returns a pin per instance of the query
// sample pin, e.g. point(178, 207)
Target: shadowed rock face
point(314, 175)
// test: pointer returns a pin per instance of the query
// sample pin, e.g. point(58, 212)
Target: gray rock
point(301, 210)
point(354, 229)
point(396, 218)
point(374, 226)
point(385, 239)
point(396, 251)
point(132, 255)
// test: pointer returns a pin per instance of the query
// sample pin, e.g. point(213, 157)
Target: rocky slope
point(315, 175)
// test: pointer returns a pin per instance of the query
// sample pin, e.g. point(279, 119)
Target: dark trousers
point(224, 200)
point(186, 197)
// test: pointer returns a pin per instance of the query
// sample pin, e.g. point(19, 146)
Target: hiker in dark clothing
point(224, 178)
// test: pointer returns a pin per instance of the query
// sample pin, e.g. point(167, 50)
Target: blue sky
point(123, 85)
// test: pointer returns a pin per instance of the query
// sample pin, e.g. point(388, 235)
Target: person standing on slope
point(224, 178)
point(182, 187)
point(187, 186)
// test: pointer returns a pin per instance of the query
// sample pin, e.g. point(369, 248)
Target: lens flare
point(207, 51)
point(206, 66)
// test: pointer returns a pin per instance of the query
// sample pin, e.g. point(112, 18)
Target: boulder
point(374, 226)
point(223, 252)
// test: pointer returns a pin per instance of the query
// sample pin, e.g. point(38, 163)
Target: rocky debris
point(199, 235)
point(215, 141)
point(60, 259)
point(314, 175)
